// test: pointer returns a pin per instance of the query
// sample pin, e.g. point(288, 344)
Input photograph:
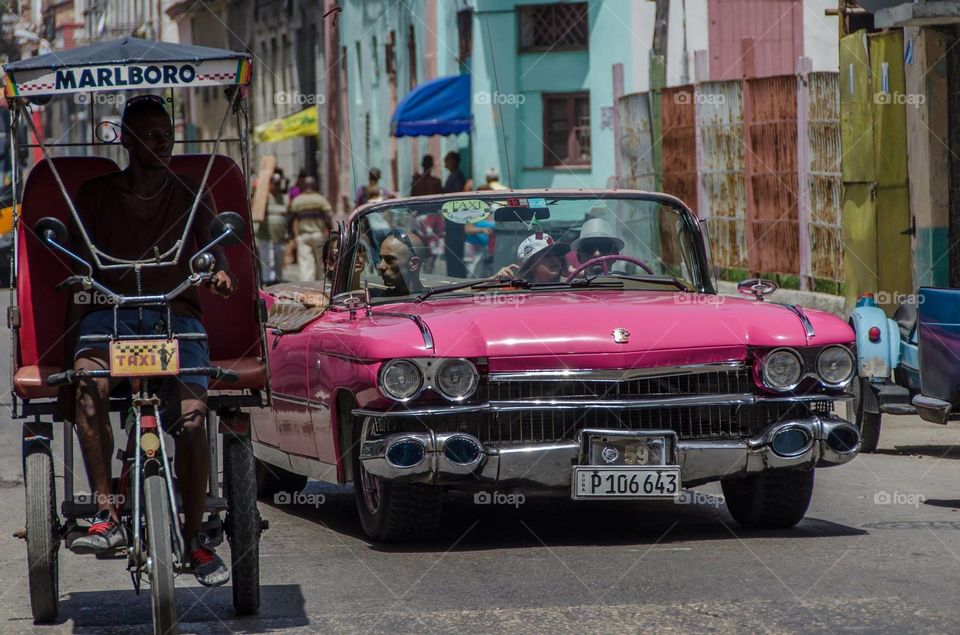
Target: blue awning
point(438, 107)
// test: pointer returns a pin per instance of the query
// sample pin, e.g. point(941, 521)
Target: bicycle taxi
point(49, 272)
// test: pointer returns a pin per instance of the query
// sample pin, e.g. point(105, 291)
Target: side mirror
point(49, 229)
point(228, 221)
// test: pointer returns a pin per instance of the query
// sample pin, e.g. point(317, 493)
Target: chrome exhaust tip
point(462, 449)
point(791, 440)
point(405, 453)
point(839, 441)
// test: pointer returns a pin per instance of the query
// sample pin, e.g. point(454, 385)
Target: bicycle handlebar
point(71, 376)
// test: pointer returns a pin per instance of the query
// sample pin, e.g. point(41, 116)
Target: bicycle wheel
point(43, 541)
point(243, 522)
point(160, 549)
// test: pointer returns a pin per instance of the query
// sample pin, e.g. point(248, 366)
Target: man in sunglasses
point(135, 214)
point(597, 238)
point(400, 262)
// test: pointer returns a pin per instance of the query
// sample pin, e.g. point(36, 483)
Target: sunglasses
point(605, 247)
point(400, 235)
point(157, 99)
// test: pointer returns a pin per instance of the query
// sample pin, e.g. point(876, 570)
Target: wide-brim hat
point(596, 229)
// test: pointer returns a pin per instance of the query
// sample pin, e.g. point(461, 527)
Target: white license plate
point(659, 481)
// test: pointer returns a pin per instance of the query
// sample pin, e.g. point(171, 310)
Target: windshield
point(413, 248)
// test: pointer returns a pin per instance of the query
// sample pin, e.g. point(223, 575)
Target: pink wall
point(776, 26)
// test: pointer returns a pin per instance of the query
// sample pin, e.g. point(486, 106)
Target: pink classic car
point(570, 342)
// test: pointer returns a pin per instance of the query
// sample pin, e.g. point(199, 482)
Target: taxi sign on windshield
point(137, 358)
point(464, 211)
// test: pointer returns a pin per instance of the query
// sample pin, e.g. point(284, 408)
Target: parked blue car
point(909, 364)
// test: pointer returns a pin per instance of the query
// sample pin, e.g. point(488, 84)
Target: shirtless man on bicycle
point(131, 214)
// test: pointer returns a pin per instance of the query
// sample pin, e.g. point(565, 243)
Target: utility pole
point(658, 79)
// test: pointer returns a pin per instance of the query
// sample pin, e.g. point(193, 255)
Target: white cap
point(535, 244)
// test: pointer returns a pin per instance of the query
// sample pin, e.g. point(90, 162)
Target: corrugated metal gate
point(876, 206)
point(636, 144)
point(749, 199)
point(824, 179)
point(680, 143)
point(721, 167)
point(770, 117)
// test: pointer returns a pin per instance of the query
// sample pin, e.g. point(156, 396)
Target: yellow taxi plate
point(136, 358)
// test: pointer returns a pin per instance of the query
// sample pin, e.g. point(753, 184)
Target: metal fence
point(731, 151)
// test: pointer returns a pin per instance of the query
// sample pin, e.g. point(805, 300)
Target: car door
point(323, 374)
point(938, 324)
point(290, 357)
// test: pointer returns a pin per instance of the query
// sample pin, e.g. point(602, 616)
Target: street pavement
point(879, 551)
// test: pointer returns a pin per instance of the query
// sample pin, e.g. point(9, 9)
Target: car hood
point(678, 327)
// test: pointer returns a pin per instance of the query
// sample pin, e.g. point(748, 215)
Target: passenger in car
point(331, 255)
point(400, 260)
point(541, 260)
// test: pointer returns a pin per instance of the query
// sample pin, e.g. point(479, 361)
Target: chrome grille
point(707, 383)
point(544, 426)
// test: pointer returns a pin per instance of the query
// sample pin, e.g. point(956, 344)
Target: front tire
point(867, 422)
point(395, 512)
point(160, 550)
point(243, 522)
point(777, 499)
point(43, 535)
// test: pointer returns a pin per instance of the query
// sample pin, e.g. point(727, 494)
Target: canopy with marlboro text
point(126, 64)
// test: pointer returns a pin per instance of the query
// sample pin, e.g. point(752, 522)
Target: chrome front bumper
point(549, 465)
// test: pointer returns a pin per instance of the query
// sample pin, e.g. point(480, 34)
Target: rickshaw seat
point(232, 325)
point(31, 381)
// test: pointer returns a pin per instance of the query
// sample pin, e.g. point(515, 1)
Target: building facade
point(542, 75)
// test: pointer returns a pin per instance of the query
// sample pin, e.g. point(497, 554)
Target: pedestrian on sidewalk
point(430, 227)
point(492, 178)
point(272, 233)
point(312, 222)
point(373, 185)
point(298, 185)
point(424, 183)
point(454, 235)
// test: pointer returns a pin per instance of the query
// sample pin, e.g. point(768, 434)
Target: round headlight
point(456, 379)
point(400, 379)
point(781, 369)
point(835, 365)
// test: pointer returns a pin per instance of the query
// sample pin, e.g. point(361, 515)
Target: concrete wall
point(821, 35)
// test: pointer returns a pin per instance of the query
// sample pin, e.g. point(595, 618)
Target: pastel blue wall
point(508, 137)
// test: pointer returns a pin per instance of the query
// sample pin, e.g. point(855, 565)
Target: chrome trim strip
point(424, 331)
point(616, 375)
point(422, 412)
point(305, 466)
point(300, 401)
point(807, 325)
point(734, 399)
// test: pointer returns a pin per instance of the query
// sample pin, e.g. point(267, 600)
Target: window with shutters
point(465, 34)
point(561, 26)
point(566, 129)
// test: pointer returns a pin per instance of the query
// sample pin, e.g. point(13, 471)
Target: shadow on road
point(936, 451)
point(123, 610)
point(556, 521)
point(948, 503)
